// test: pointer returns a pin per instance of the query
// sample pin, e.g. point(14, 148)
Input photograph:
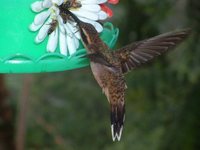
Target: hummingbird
point(109, 66)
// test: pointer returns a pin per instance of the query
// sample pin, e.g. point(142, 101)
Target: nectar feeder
point(20, 54)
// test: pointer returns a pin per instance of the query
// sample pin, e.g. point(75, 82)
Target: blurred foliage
point(68, 111)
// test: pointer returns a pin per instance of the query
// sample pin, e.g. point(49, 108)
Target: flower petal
point(85, 14)
point(102, 15)
point(101, 1)
point(47, 3)
point(37, 6)
point(71, 45)
point(93, 1)
point(73, 29)
point(41, 17)
point(97, 25)
point(55, 11)
point(76, 42)
point(89, 2)
point(63, 43)
point(53, 41)
point(43, 32)
point(70, 41)
point(34, 27)
point(58, 2)
point(61, 25)
point(78, 35)
point(92, 8)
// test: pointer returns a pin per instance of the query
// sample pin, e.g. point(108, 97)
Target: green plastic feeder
point(20, 54)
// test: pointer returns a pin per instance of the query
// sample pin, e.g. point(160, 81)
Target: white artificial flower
point(64, 34)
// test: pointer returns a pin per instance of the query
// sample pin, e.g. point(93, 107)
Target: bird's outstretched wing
point(136, 54)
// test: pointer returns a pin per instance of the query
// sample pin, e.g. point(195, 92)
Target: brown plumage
point(109, 67)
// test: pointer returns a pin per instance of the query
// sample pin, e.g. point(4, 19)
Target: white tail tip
point(116, 135)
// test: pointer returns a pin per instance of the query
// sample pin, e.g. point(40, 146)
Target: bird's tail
point(117, 121)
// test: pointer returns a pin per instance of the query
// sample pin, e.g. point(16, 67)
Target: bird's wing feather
point(136, 54)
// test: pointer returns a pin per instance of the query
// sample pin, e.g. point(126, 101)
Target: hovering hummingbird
point(109, 67)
